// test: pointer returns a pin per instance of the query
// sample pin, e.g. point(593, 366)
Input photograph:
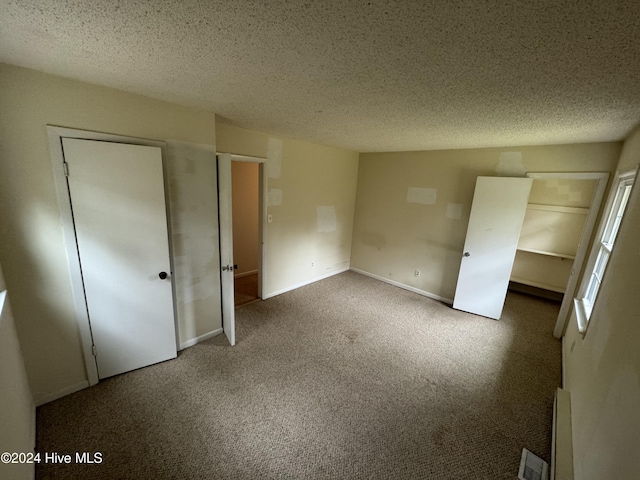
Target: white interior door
point(497, 213)
point(226, 246)
point(119, 212)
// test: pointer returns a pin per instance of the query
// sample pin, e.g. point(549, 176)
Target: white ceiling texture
point(370, 75)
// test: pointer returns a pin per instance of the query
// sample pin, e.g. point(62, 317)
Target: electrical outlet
point(313, 264)
point(416, 273)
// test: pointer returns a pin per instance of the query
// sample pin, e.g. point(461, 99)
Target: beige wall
point(245, 178)
point(603, 368)
point(193, 197)
point(17, 411)
point(31, 241)
point(302, 177)
point(393, 237)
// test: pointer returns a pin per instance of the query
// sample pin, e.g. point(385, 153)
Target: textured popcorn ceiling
point(365, 75)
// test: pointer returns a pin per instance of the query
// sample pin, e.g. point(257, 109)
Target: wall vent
point(532, 467)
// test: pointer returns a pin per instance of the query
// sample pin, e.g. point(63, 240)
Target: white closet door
point(119, 212)
point(497, 213)
point(226, 246)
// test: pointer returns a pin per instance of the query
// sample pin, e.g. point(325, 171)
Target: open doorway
point(538, 243)
point(550, 235)
point(555, 235)
point(228, 261)
point(245, 181)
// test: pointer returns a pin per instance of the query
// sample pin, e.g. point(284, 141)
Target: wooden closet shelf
point(551, 254)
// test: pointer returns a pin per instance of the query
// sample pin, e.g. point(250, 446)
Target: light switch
point(269, 218)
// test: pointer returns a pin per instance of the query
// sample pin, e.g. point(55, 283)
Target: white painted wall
point(193, 197)
point(393, 236)
point(311, 199)
point(31, 242)
point(603, 367)
point(17, 411)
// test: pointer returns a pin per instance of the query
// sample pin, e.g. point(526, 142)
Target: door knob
point(467, 254)
point(162, 275)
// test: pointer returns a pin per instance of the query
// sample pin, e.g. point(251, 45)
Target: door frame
point(56, 134)
point(262, 216)
point(585, 238)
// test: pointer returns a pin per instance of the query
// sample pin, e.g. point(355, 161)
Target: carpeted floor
point(346, 378)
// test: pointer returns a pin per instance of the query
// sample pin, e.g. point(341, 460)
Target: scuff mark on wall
point(189, 166)
point(326, 218)
point(563, 192)
point(423, 196)
point(196, 271)
point(454, 211)
point(192, 178)
point(274, 197)
point(511, 165)
point(373, 239)
point(274, 157)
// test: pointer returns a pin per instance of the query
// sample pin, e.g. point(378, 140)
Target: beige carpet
point(345, 378)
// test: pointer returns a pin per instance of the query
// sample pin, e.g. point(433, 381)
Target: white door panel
point(226, 246)
point(497, 213)
point(118, 204)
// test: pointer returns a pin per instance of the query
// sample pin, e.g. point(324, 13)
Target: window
point(602, 250)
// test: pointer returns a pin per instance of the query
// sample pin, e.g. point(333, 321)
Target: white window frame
point(602, 248)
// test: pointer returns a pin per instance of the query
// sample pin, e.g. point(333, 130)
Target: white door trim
point(262, 225)
point(56, 134)
point(587, 233)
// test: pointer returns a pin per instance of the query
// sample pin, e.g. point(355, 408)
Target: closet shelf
point(544, 252)
point(544, 286)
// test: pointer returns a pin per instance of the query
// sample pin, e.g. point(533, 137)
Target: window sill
point(581, 315)
point(3, 300)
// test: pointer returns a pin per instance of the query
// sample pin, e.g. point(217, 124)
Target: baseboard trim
point(245, 274)
point(424, 293)
point(307, 282)
point(563, 381)
point(62, 393)
point(561, 437)
point(84, 384)
point(201, 338)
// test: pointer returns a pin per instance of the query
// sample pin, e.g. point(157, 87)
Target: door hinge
point(65, 167)
point(93, 350)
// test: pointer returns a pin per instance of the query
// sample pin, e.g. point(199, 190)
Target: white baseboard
point(403, 286)
point(82, 385)
point(563, 382)
point(201, 338)
point(308, 282)
point(562, 437)
point(245, 274)
point(61, 393)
